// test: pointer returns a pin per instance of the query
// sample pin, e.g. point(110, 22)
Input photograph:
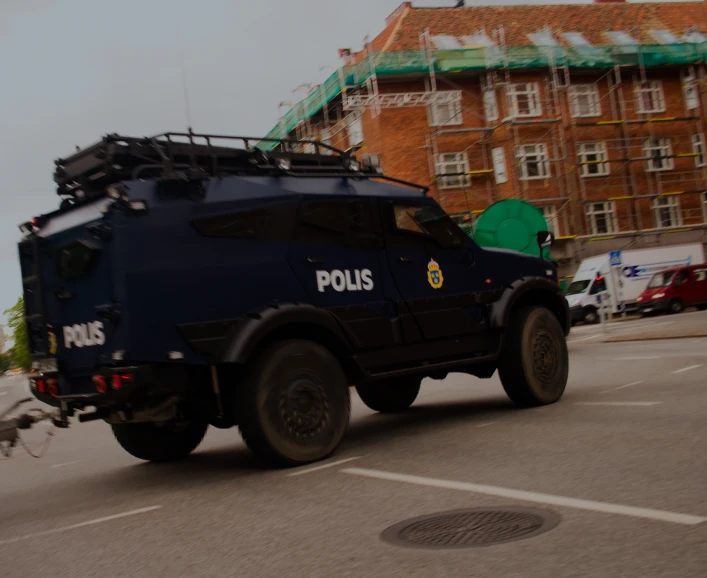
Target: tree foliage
point(19, 352)
point(5, 362)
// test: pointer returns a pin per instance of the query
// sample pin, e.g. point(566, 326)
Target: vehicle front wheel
point(294, 406)
point(161, 442)
point(390, 396)
point(591, 316)
point(676, 306)
point(534, 363)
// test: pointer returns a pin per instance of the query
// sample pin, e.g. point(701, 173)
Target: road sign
point(615, 258)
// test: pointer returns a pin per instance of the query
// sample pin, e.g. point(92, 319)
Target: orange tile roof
point(589, 19)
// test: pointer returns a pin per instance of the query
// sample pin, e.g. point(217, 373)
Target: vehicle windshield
point(661, 279)
point(577, 287)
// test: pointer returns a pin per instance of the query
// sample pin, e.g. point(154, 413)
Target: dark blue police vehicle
point(186, 282)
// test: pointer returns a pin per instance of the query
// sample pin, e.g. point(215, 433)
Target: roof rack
point(190, 156)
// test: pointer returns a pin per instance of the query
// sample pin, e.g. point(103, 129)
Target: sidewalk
point(683, 325)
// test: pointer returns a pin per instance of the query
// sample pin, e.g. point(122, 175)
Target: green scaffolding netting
point(479, 59)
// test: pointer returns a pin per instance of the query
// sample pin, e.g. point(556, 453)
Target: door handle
point(405, 260)
point(313, 260)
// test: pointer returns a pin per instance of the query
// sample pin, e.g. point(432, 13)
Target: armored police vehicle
point(186, 281)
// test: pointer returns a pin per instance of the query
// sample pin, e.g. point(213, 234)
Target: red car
point(672, 290)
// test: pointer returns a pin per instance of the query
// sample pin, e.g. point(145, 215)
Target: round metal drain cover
point(471, 528)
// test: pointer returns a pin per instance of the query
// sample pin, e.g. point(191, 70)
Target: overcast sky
point(74, 70)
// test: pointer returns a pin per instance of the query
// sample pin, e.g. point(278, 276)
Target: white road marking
point(688, 368)
point(80, 525)
point(586, 338)
point(486, 424)
point(65, 464)
point(624, 386)
point(325, 466)
point(638, 358)
point(619, 403)
point(579, 504)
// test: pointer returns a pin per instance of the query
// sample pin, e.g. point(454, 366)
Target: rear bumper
point(654, 306)
point(116, 387)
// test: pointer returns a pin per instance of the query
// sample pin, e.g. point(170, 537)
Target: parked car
point(672, 290)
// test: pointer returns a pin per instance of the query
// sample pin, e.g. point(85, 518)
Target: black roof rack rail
point(189, 156)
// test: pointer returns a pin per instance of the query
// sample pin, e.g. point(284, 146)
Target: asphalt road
point(621, 460)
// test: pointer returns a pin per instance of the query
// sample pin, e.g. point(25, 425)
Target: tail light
point(100, 383)
point(41, 386)
point(53, 387)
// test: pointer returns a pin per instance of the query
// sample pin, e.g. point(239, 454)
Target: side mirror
point(545, 240)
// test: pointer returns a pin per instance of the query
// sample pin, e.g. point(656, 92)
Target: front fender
point(530, 291)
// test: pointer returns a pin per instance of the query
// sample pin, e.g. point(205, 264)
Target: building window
point(355, 132)
point(666, 211)
point(550, 215)
point(592, 158)
point(658, 153)
point(498, 157)
point(525, 99)
point(584, 100)
point(698, 147)
point(601, 218)
point(691, 95)
point(650, 96)
point(533, 163)
point(446, 113)
point(452, 164)
point(490, 106)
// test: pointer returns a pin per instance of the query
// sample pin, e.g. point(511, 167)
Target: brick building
point(594, 113)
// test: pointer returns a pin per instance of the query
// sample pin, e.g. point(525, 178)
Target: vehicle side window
point(682, 277)
point(269, 224)
point(700, 274)
point(429, 221)
point(344, 223)
point(598, 286)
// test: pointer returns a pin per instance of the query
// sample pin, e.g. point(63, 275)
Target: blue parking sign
point(615, 258)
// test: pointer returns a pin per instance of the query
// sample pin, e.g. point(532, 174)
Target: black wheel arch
point(530, 291)
point(290, 321)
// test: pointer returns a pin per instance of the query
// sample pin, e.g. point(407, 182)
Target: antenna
point(185, 88)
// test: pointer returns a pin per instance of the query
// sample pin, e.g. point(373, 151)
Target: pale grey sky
point(74, 70)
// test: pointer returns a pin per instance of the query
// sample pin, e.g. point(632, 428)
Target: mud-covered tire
point(534, 363)
point(167, 442)
point(390, 396)
point(294, 407)
point(675, 306)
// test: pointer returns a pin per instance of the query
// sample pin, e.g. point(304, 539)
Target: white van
point(623, 283)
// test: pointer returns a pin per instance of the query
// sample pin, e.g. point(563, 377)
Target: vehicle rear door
point(432, 262)
point(335, 253)
point(700, 285)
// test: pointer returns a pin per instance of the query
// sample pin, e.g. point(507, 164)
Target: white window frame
point(585, 150)
point(451, 111)
point(650, 98)
point(665, 147)
point(672, 204)
point(608, 210)
point(590, 92)
point(698, 147)
point(490, 104)
point(531, 90)
point(458, 163)
point(704, 205)
point(551, 218)
point(500, 171)
point(354, 131)
point(690, 91)
point(524, 152)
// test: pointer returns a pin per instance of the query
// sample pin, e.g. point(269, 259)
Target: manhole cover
point(471, 528)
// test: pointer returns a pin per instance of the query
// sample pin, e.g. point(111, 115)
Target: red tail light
point(53, 387)
point(40, 385)
point(116, 381)
point(100, 383)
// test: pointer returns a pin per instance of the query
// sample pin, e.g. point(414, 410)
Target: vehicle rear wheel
point(702, 307)
point(591, 316)
point(161, 442)
point(676, 306)
point(534, 363)
point(390, 396)
point(294, 404)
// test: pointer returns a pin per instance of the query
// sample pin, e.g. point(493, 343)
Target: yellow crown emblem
point(434, 274)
